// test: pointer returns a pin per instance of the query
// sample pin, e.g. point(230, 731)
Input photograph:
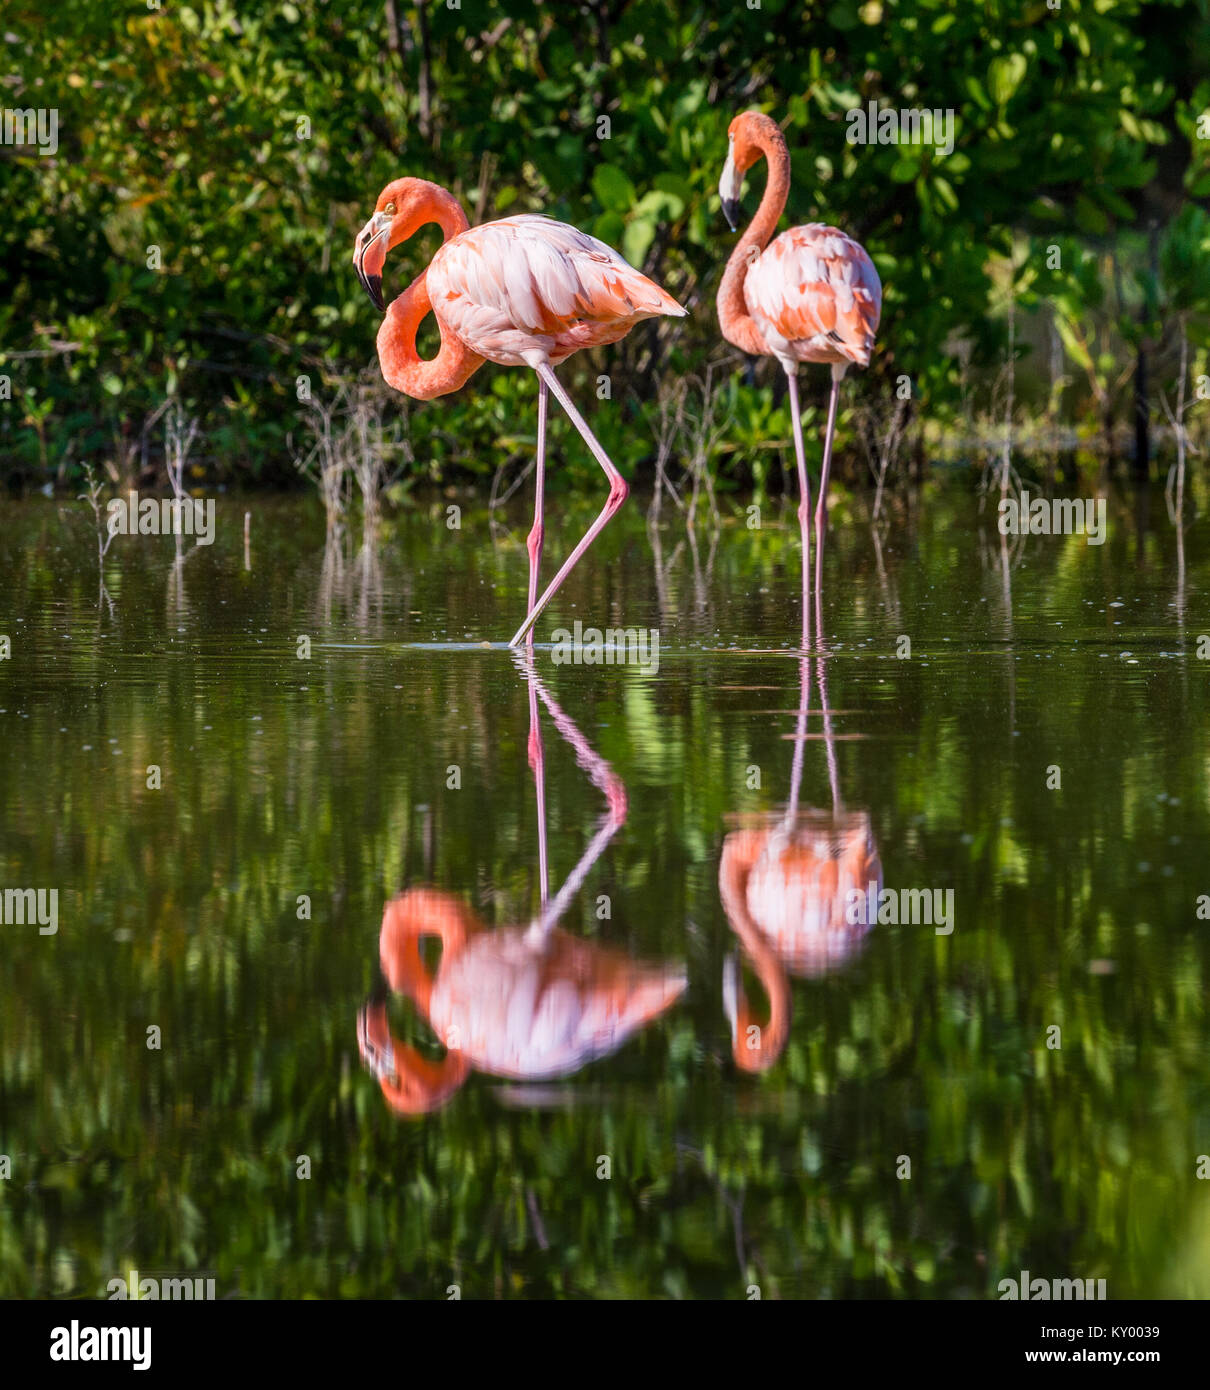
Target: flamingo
point(524, 1003)
point(785, 889)
point(812, 295)
point(522, 291)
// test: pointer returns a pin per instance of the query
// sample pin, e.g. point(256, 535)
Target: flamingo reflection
point(787, 885)
point(525, 1003)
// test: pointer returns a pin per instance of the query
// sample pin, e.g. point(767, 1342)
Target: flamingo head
point(749, 135)
point(412, 1083)
point(756, 1047)
point(403, 207)
point(395, 206)
point(374, 1040)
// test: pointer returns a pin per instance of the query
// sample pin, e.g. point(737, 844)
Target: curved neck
point(402, 366)
point(406, 922)
point(753, 1052)
point(733, 317)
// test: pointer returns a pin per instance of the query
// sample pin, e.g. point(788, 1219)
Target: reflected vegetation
point(235, 908)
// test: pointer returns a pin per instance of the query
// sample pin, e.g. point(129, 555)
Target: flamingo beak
point(731, 989)
point(729, 187)
point(370, 253)
point(374, 1041)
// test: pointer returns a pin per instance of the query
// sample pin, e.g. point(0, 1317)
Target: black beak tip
point(731, 211)
point(372, 284)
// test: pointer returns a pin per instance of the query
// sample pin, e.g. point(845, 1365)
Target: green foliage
point(248, 143)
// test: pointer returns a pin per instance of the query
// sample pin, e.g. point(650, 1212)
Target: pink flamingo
point(525, 1003)
point(785, 883)
point(812, 295)
point(523, 291)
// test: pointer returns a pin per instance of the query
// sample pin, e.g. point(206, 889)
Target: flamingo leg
point(602, 776)
point(534, 543)
point(821, 507)
point(537, 763)
point(821, 675)
point(804, 508)
point(618, 492)
point(800, 739)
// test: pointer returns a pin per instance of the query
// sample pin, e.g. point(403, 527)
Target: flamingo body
point(815, 296)
point(531, 1010)
point(525, 1004)
point(529, 285)
point(796, 886)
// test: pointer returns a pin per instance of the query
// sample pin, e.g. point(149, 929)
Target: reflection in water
point(785, 884)
point(178, 606)
point(525, 1003)
point(358, 584)
point(329, 776)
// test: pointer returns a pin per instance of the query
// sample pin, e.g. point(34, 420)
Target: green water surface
point(1075, 906)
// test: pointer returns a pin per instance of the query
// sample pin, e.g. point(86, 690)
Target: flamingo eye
point(389, 209)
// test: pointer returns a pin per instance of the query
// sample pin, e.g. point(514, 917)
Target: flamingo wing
point(528, 285)
point(531, 1011)
point(816, 296)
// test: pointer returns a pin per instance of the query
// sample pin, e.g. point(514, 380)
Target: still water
point(656, 1088)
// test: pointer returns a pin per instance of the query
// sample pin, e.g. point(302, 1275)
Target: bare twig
point(92, 495)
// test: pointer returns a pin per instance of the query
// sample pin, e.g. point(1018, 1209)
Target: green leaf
point(975, 88)
point(1089, 217)
point(1004, 77)
point(609, 228)
point(613, 188)
point(945, 192)
point(1075, 348)
point(660, 206)
point(676, 185)
point(637, 239)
